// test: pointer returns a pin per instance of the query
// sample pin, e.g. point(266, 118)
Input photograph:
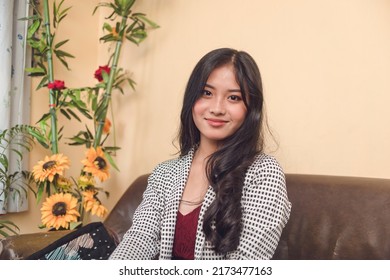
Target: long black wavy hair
point(227, 166)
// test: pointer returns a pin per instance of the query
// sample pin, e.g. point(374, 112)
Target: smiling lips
point(216, 122)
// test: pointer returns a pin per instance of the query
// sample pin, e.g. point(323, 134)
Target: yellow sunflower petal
point(96, 164)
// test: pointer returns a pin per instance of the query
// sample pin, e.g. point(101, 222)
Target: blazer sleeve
point(142, 240)
point(266, 210)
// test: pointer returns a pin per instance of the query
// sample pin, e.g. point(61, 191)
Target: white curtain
point(14, 85)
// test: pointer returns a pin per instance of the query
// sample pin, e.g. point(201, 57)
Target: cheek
point(240, 114)
point(198, 108)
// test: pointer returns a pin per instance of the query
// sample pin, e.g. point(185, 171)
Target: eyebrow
point(230, 90)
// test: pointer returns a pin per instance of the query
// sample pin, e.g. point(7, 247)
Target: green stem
point(107, 95)
point(52, 97)
point(113, 127)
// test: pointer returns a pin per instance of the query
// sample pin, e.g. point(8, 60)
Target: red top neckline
point(185, 235)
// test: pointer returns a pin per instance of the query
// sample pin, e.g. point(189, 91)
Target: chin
point(216, 138)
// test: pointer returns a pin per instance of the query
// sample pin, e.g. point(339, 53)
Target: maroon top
point(185, 235)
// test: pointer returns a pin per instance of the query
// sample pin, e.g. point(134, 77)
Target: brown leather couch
point(332, 217)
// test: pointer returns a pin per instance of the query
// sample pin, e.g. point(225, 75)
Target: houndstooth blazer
point(265, 205)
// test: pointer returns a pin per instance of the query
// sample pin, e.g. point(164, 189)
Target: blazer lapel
point(200, 237)
point(178, 181)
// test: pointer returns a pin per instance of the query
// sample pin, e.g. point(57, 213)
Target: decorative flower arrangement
point(67, 199)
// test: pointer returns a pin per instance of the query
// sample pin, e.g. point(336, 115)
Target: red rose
point(56, 85)
point(98, 72)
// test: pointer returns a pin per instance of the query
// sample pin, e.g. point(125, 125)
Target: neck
point(205, 149)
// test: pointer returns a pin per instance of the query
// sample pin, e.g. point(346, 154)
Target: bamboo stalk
point(52, 94)
point(107, 95)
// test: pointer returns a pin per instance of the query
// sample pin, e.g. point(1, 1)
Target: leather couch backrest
point(332, 217)
point(336, 217)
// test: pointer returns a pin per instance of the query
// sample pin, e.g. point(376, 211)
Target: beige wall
point(325, 67)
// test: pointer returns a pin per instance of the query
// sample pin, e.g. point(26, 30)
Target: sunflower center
point(49, 164)
point(59, 209)
point(100, 162)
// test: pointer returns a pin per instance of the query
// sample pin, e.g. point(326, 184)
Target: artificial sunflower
point(59, 210)
point(49, 167)
point(64, 183)
point(93, 205)
point(89, 198)
point(99, 210)
point(85, 182)
point(96, 164)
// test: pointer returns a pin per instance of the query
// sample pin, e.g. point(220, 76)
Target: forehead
point(223, 75)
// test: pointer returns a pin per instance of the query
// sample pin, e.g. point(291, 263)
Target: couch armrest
point(120, 217)
point(22, 246)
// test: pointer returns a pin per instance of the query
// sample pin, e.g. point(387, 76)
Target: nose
point(217, 106)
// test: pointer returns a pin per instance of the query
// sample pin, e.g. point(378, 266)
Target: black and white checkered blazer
point(265, 205)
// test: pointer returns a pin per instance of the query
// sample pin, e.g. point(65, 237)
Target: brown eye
point(206, 93)
point(235, 98)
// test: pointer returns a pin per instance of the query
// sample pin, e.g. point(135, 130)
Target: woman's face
point(220, 111)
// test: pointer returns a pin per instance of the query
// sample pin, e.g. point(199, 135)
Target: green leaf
point(111, 149)
point(120, 89)
point(74, 225)
point(148, 21)
point(4, 163)
point(44, 117)
point(63, 61)
point(59, 15)
point(38, 136)
point(131, 83)
point(35, 70)
point(108, 38)
point(55, 13)
point(90, 135)
point(111, 160)
point(39, 193)
point(131, 26)
point(107, 27)
point(61, 43)
point(63, 13)
point(78, 139)
point(60, 53)
point(85, 113)
point(73, 114)
point(131, 39)
point(139, 34)
point(77, 144)
point(105, 76)
point(102, 107)
point(60, 130)
point(138, 14)
point(33, 28)
point(65, 114)
point(43, 82)
point(101, 5)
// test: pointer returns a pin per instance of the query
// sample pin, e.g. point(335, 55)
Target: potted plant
point(16, 140)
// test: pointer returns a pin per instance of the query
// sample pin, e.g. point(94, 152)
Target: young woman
point(222, 198)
